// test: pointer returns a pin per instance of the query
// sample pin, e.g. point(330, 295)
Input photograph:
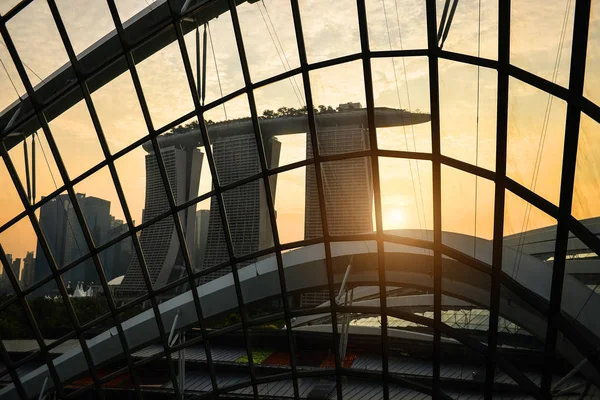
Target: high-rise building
point(16, 267)
point(237, 158)
point(63, 233)
point(348, 189)
point(28, 270)
point(200, 237)
point(117, 257)
point(159, 242)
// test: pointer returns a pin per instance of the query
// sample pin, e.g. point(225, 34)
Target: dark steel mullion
point(585, 235)
point(368, 84)
point(218, 196)
point(320, 187)
point(590, 108)
point(12, 372)
point(434, 98)
point(33, 220)
point(499, 192)
point(533, 198)
point(190, 273)
point(98, 128)
point(467, 59)
point(267, 189)
point(469, 168)
point(576, 81)
point(146, 113)
point(14, 11)
point(540, 83)
point(30, 320)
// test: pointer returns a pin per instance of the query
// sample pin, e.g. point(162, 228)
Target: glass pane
point(290, 203)
point(10, 93)
point(168, 93)
point(406, 197)
point(269, 37)
point(348, 191)
point(340, 128)
point(536, 125)
point(216, 49)
point(20, 240)
point(282, 118)
point(248, 218)
point(40, 160)
point(468, 113)
point(402, 84)
point(551, 23)
point(16, 327)
point(62, 230)
point(580, 291)
point(76, 138)
point(101, 213)
point(129, 8)
point(330, 30)
point(50, 312)
point(529, 244)
point(117, 258)
point(87, 296)
point(592, 65)
point(398, 26)
point(122, 121)
point(39, 45)
point(467, 210)
point(233, 143)
point(474, 28)
point(185, 160)
point(586, 191)
point(86, 23)
point(215, 249)
point(142, 183)
point(11, 202)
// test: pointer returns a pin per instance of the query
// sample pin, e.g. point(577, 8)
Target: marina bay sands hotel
point(348, 189)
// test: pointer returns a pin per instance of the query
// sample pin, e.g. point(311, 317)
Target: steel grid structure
point(558, 324)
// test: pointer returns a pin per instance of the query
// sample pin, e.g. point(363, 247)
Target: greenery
point(267, 114)
point(52, 317)
point(258, 356)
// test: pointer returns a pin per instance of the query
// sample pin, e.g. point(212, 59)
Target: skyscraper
point(63, 233)
point(28, 270)
point(159, 242)
point(237, 158)
point(200, 237)
point(117, 257)
point(348, 189)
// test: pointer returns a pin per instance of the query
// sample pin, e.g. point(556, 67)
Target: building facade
point(237, 158)
point(347, 188)
point(159, 242)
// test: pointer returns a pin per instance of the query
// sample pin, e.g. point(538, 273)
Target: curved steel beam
point(305, 270)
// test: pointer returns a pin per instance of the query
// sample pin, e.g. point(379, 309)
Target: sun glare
point(397, 219)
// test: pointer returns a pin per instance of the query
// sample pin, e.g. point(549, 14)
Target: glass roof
point(379, 199)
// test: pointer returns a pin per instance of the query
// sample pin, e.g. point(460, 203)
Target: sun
point(397, 218)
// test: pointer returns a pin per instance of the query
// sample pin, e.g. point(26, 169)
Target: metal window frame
point(576, 104)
